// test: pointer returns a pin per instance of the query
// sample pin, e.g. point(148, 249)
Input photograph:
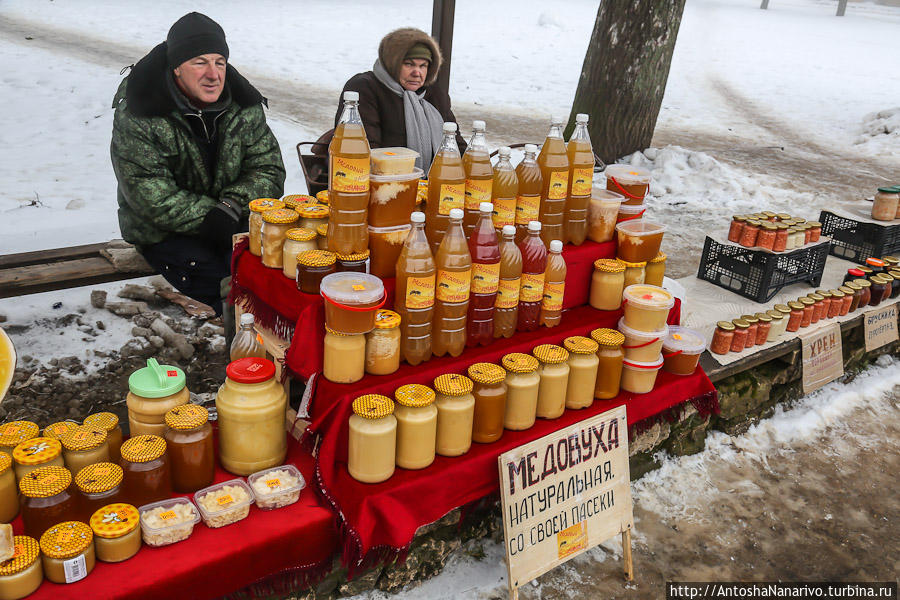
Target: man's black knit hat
point(192, 35)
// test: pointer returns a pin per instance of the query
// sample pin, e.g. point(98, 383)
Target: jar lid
point(661, 257)
point(14, 432)
point(776, 315)
point(519, 362)
point(144, 448)
point(322, 196)
point(331, 331)
point(875, 262)
point(763, 317)
point(634, 265)
point(550, 354)
point(261, 205)
point(848, 291)
point(628, 174)
point(156, 380)
point(352, 289)
point(783, 216)
point(769, 226)
point(486, 373)
point(66, 540)
point(186, 416)
point(5, 462)
point(250, 370)
point(99, 477)
point(750, 319)
point(280, 216)
point(115, 520)
point(300, 234)
point(739, 218)
point(799, 220)
point(578, 344)
point(864, 283)
point(807, 301)
point(609, 338)
point(102, 420)
point(57, 430)
point(322, 230)
point(814, 224)
point(753, 222)
point(888, 190)
point(795, 305)
point(373, 406)
point(741, 324)
point(609, 265)
point(295, 200)
point(37, 451)
point(451, 384)
point(824, 293)
point(725, 325)
point(386, 319)
point(84, 437)
point(316, 258)
point(853, 285)
point(45, 482)
point(781, 226)
point(354, 257)
point(891, 260)
point(26, 550)
point(865, 270)
point(782, 308)
point(837, 294)
point(314, 211)
point(769, 213)
point(414, 395)
point(648, 296)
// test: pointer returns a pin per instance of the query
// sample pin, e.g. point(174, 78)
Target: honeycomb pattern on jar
point(143, 448)
point(66, 540)
point(451, 384)
point(578, 344)
point(186, 416)
point(414, 395)
point(519, 362)
point(486, 373)
point(99, 478)
point(373, 406)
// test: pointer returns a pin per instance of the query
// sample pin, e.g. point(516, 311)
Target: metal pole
point(442, 15)
point(765, 4)
point(842, 8)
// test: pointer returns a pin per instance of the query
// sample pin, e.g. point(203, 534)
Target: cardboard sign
point(565, 493)
point(823, 357)
point(881, 326)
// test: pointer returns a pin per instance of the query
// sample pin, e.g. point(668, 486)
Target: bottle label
point(420, 292)
point(508, 293)
point(527, 209)
point(451, 197)
point(485, 278)
point(504, 212)
point(75, 569)
point(532, 287)
point(582, 179)
point(453, 286)
point(559, 181)
point(477, 191)
point(553, 295)
point(350, 175)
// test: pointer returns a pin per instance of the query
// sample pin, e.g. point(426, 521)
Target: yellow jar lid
point(609, 265)
point(322, 196)
point(551, 354)
point(763, 318)
point(354, 257)
point(578, 344)
point(816, 297)
point(102, 420)
point(725, 325)
point(316, 258)
point(750, 319)
point(45, 482)
point(661, 257)
point(807, 301)
point(519, 362)
point(280, 216)
point(331, 331)
point(387, 319)
point(608, 337)
point(314, 211)
point(115, 520)
point(186, 416)
point(837, 294)
point(848, 291)
point(795, 305)
point(776, 315)
point(864, 283)
point(15, 432)
point(782, 308)
point(57, 430)
point(741, 324)
point(99, 477)
point(739, 218)
point(5, 462)
point(300, 234)
point(143, 448)
point(84, 437)
point(414, 395)
point(451, 384)
point(66, 540)
point(37, 451)
point(261, 205)
point(26, 551)
point(783, 216)
point(373, 406)
point(295, 200)
point(814, 224)
point(634, 265)
point(769, 213)
point(322, 230)
point(486, 373)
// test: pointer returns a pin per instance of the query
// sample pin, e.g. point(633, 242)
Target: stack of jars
point(393, 190)
point(770, 231)
point(612, 276)
point(646, 310)
point(631, 183)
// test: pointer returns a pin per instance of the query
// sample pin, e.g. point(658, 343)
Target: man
point(191, 149)
point(398, 103)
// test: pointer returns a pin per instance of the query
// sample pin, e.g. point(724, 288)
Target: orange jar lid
point(57, 430)
point(66, 540)
point(519, 362)
point(296, 200)
point(578, 344)
point(143, 448)
point(84, 437)
point(45, 482)
point(280, 216)
point(186, 416)
point(316, 258)
point(99, 477)
point(15, 432)
point(609, 265)
point(414, 395)
point(373, 406)
point(551, 354)
point(610, 338)
point(486, 373)
point(387, 319)
point(102, 420)
point(451, 384)
point(115, 520)
point(37, 451)
point(300, 234)
point(314, 211)
point(26, 550)
point(661, 257)
point(261, 205)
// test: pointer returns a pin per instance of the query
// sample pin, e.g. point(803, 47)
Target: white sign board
point(823, 357)
point(880, 326)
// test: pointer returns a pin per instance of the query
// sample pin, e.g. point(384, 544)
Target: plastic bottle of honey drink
point(446, 188)
point(454, 274)
point(528, 201)
point(581, 175)
point(246, 342)
point(414, 295)
point(506, 307)
point(348, 182)
point(479, 174)
point(504, 190)
point(554, 286)
point(531, 287)
point(485, 252)
point(554, 164)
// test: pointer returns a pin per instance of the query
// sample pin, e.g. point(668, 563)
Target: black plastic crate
point(857, 240)
point(757, 274)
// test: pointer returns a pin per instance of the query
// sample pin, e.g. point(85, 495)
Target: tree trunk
point(624, 74)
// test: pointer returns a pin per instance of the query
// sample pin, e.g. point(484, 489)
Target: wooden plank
point(40, 257)
point(32, 279)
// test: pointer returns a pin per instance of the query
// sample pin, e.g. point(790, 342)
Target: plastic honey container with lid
point(392, 198)
point(394, 161)
point(416, 417)
point(110, 423)
point(583, 363)
point(117, 535)
point(631, 212)
point(646, 307)
point(682, 349)
point(456, 414)
point(642, 345)
point(639, 240)
point(603, 213)
point(351, 301)
point(37, 452)
point(153, 391)
point(83, 446)
point(522, 387)
point(99, 484)
point(9, 491)
point(629, 180)
point(554, 372)
point(68, 552)
point(489, 390)
point(372, 446)
point(15, 432)
point(22, 574)
point(639, 377)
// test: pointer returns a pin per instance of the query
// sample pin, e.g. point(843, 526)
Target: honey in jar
point(312, 267)
point(352, 263)
point(489, 390)
point(414, 293)
point(581, 176)
point(344, 358)
point(583, 363)
point(322, 237)
point(276, 224)
point(416, 426)
point(109, 422)
point(68, 552)
point(9, 491)
point(296, 240)
point(609, 369)
point(639, 240)
point(454, 273)
point(37, 452)
point(351, 301)
point(392, 198)
point(15, 432)
point(554, 372)
point(117, 532)
point(607, 284)
point(456, 414)
point(153, 391)
point(603, 213)
point(505, 190)
point(628, 180)
point(83, 446)
point(446, 188)
point(98, 484)
point(554, 163)
point(385, 246)
point(257, 208)
point(147, 473)
point(383, 344)
point(23, 574)
point(189, 444)
point(635, 272)
point(372, 439)
point(522, 388)
point(313, 216)
point(528, 202)
point(655, 270)
point(479, 176)
point(47, 499)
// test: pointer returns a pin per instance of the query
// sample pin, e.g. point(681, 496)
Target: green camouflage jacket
point(164, 187)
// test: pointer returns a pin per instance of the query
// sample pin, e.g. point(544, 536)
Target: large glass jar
point(383, 344)
point(583, 363)
point(85, 446)
point(57, 430)
point(296, 240)
point(635, 272)
point(251, 407)
point(722, 338)
point(153, 391)
point(68, 552)
point(489, 390)
point(147, 474)
point(655, 271)
point(274, 229)
point(117, 535)
point(23, 574)
point(9, 492)
point(607, 284)
point(885, 206)
point(609, 368)
point(372, 440)
point(352, 263)
point(522, 387)
point(46, 499)
point(554, 372)
point(312, 267)
point(37, 452)
point(416, 417)
point(98, 484)
point(456, 413)
point(189, 443)
point(257, 208)
point(344, 357)
point(110, 423)
point(15, 432)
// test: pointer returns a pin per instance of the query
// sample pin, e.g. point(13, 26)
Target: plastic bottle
point(506, 307)
point(581, 175)
point(504, 190)
point(554, 286)
point(531, 288)
point(528, 201)
point(454, 274)
point(247, 342)
point(485, 252)
point(414, 294)
point(446, 188)
point(479, 174)
point(348, 182)
point(554, 164)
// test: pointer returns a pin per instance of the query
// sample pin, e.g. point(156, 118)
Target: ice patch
point(880, 132)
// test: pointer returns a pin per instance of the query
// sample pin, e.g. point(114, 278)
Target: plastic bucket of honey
point(642, 345)
point(639, 240)
point(681, 350)
point(392, 198)
point(646, 307)
point(639, 377)
point(351, 301)
point(630, 181)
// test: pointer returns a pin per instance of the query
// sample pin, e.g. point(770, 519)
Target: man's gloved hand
point(221, 222)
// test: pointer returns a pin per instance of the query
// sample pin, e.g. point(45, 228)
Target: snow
point(880, 132)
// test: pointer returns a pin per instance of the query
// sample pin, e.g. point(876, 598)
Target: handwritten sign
point(880, 326)
point(823, 357)
point(564, 494)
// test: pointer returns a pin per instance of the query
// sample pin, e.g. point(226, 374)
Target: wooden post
point(442, 15)
point(764, 5)
point(842, 7)
point(626, 554)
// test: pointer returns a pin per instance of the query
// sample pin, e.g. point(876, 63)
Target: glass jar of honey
point(46, 499)
point(296, 240)
point(276, 224)
point(344, 358)
point(383, 344)
point(609, 368)
point(117, 535)
point(312, 267)
point(416, 417)
point(109, 422)
point(84, 446)
point(655, 270)
point(554, 372)
point(372, 440)
point(23, 574)
point(257, 208)
point(322, 237)
point(456, 413)
point(37, 452)
point(147, 475)
point(583, 363)
point(14, 433)
point(9, 491)
point(297, 201)
point(153, 391)
point(635, 272)
point(189, 444)
point(68, 552)
point(313, 215)
point(57, 430)
point(522, 387)
point(99, 484)
point(607, 284)
point(489, 390)
point(352, 263)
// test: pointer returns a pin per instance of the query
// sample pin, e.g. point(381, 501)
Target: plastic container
point(640, 377)
point(351, 301)
point(628, 180)
point(392, 198)
point(682, 349)
point(385, 246)
point(393, 161)
point(642, 346)
point(647, 307)
point(631, 212)
point(224, 503)
point(603, 214)
point(168, 521)
point(153, 391)
point(276, 487)
point(639, 241)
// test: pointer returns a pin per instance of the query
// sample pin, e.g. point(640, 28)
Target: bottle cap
point(530, 147)
point(478, 125)
point(486, 207)
point(505, 151)
point(450, 127)
point(456, 213)
point(247, 319)
point(534, 225)
point(351, 96)
point(417, 217)
point(556, 120)
point(581, 118)
point(509, 230)
point(555, 246)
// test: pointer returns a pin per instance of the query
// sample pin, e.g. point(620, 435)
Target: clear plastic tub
point(646, 307)
point(603, 214)
point(628, 180)
point(682, 349)
point(385, 245)
point(393, 161)
point(392, 198)
point(639, 240)
point(631, 212)
point(351, 301)
point(642, 346)
point(168, 521)
point(277, 486)
point(224, 503)
point(640, 377)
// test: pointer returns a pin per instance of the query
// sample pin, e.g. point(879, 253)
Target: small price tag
point(358, 287)
point(227, 499)
point(101, 471)
point(273, 483)
point(169, 514)
point(18, 550)
point(49, 479)
point(64, 538)
point(171, 373)
point(11, 430)
point(81, 436)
